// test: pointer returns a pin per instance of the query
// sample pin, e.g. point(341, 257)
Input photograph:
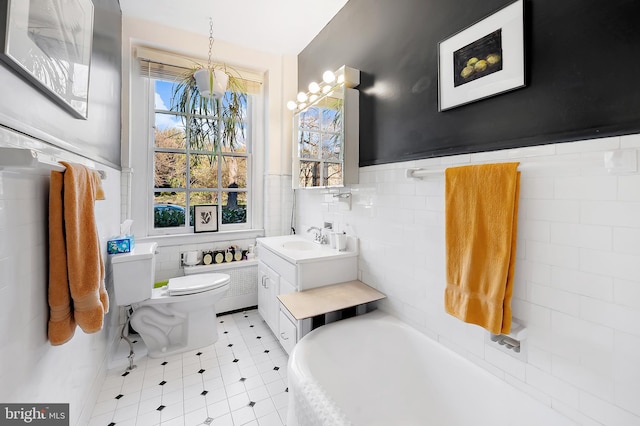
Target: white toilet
point(171, 319)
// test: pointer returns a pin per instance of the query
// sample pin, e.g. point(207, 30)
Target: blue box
point(120, 245)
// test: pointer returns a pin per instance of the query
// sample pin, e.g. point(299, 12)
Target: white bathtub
point(375, 370)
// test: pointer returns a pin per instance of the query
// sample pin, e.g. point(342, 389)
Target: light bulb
point(341, 79)
point(292, 105)
point(328, 77)
point(326, 89)
point(302, 97)
point(302, 105)
point(313, 98)
point(314, 87)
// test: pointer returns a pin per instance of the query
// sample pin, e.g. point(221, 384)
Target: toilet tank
point(134, 273)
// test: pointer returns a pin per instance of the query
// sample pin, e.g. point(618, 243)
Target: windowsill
point(204, 237)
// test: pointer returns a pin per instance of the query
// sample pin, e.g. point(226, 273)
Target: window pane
point(169, 131)
point(331, 145)
point(332, 119)
point(309, 173)
point(231, 98)
point(234, 207)
point(170, 170)
point(201, 198)
point(163, 94)
point(234, 172)
point(168, 209)
point(204, 171)
point(235, 141)
point(332, 174)
point(308, 143)
point(310, 119)
point(203, 134)
point(234, 117)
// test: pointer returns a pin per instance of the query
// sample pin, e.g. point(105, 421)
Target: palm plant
point(202, 116)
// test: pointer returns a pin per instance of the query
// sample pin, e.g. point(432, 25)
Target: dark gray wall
point(25, 107)
point(583, 68)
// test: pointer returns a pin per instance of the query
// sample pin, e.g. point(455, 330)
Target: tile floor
point(239, 380)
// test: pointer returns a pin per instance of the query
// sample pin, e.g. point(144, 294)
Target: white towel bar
point(618, 161)
point(25, 158)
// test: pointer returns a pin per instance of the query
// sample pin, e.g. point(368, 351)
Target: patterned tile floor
point(239, 380)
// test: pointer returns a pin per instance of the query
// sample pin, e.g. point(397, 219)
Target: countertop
point(322, 300)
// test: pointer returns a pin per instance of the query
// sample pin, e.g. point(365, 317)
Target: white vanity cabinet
point(271, 285)
point(282, 271)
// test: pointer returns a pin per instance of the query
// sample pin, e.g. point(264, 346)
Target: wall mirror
point(326, 132)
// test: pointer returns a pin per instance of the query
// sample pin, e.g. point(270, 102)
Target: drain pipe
point(122, 336)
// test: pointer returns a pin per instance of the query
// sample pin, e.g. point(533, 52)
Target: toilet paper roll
point(341, 242)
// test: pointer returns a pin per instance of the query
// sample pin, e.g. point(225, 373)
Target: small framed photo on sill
point(205, 218)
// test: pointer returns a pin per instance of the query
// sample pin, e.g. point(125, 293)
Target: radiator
point(243, 288)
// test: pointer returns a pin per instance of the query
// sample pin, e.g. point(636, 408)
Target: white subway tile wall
point(31, 370)
point(278, 201)
point(577, 286)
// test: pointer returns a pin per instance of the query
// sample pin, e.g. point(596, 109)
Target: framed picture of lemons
point(482, 60)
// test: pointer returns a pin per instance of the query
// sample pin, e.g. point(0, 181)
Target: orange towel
point(76, 269)
point(481, 227)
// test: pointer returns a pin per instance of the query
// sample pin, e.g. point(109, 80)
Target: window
point(192, 163)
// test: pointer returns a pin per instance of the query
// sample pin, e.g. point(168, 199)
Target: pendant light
point(211, 83)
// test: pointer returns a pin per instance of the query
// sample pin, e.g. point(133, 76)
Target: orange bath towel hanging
point(76, 270)
point(481, 209)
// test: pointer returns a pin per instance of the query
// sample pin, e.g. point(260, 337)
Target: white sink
point(297, 249)
point(299, 245)
point(305, 264)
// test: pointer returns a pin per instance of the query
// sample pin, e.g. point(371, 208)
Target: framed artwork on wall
point(482, 60)
point(49, 43)
point(205, 218)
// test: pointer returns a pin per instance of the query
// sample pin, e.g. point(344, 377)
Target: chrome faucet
point(317, 236)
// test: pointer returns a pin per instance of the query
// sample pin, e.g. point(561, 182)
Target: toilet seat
point(196, 283)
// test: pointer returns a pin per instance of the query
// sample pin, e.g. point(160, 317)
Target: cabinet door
point(267, 289)
point(287, 333)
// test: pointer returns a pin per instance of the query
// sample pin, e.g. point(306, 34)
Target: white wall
point(31, 370)
point(577, 285)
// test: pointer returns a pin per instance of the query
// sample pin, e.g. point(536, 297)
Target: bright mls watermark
point(34, 414)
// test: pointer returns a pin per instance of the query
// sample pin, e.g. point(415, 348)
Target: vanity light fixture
point(328, 77)
point(348, 76)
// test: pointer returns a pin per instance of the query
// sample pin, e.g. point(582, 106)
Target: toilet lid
point(196, 283)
